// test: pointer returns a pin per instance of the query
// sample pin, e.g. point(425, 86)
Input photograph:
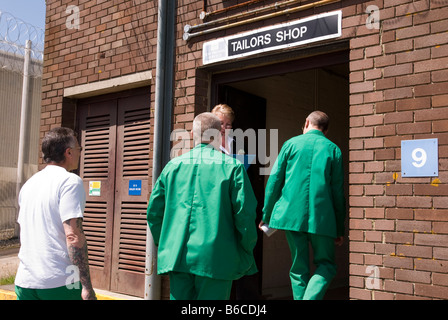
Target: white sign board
point(419, 158)
point(316, 28)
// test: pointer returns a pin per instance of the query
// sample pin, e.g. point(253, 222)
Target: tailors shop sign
point(294, 33)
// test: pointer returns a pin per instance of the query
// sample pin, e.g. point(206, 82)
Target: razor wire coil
point(14, 33)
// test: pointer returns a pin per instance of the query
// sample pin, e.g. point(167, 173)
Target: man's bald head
point(206, 128)
point(319, 120)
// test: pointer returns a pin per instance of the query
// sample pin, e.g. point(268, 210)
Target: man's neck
point(62, 165)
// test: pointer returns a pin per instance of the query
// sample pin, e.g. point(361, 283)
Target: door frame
point(275, 68)
point(321, 59)
point(104, 277)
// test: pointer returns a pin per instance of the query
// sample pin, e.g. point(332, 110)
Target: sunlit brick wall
point(398, 91)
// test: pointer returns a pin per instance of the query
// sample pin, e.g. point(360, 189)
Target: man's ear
point(305, 126)
point(192, 137)
point(68, 154)
point(307, 123)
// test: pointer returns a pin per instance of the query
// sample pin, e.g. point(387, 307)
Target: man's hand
point(339, 241)
point(88, 294)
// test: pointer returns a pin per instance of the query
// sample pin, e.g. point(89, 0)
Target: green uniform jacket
point(305, 191)
point(202, 216)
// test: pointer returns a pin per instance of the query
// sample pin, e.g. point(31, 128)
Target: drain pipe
point(162, 126)
point(23, 128)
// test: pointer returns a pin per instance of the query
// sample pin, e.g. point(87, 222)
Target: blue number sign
point(419, 158)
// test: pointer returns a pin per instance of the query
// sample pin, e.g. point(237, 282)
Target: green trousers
point(305, 286)
point(187, 286)
point(60, 293)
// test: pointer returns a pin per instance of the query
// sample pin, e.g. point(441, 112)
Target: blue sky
point(30, 11)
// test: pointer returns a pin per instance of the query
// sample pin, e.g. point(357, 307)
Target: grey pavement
point(9, 262)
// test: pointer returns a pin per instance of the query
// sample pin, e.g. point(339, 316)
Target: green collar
point(203, 145)
point(315, 131)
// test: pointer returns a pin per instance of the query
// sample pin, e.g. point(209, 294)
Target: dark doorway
point(290, 90)
point(250, 117)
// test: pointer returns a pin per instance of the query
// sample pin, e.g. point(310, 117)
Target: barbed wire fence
point(14, 35)
point(21, 66)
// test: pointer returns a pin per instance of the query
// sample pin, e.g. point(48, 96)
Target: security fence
point(21, 56)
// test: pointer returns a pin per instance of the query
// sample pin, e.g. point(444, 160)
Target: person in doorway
point(201, 214)
point(227, 116)
point(53, 253)
point(244, 288)
point(305, 197)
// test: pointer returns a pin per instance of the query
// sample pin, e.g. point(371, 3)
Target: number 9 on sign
point(419, 158)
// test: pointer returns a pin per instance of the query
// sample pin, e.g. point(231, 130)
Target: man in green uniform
point(305, 197)
point(202, 217)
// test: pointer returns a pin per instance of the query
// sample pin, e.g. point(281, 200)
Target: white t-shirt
point(46, 200)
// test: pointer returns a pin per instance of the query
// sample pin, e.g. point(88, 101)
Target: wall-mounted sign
point(294, 33)
point(419, 158)
point(135, 187)
point(94, 188)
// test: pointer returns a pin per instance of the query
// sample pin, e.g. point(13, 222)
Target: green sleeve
point(244, 204)
point(275, 184)
point(156, 209)
point(337, 188)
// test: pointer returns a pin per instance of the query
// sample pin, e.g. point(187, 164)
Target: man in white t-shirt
point(53, 254)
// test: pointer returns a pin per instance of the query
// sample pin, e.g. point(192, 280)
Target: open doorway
point(282, 96)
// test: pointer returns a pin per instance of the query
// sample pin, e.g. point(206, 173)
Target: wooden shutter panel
point(132, 237)
point(96, 167)
point(133, 149)
point(95, 229)
point(136, 143)
point(97, 163)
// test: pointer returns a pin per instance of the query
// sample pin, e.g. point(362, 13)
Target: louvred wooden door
point(97, 122)
point(131, 189)
point(114, 133)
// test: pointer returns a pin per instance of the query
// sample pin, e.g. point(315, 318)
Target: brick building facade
point(383, 80)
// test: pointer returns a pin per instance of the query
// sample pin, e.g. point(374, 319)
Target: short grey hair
point(206, 128)
point(55, 142)
point(319, 119)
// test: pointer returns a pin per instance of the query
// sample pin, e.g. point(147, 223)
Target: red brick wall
point(115, 38)
point(398, 90)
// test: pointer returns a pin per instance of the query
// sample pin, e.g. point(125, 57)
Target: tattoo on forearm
point(79, 257)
